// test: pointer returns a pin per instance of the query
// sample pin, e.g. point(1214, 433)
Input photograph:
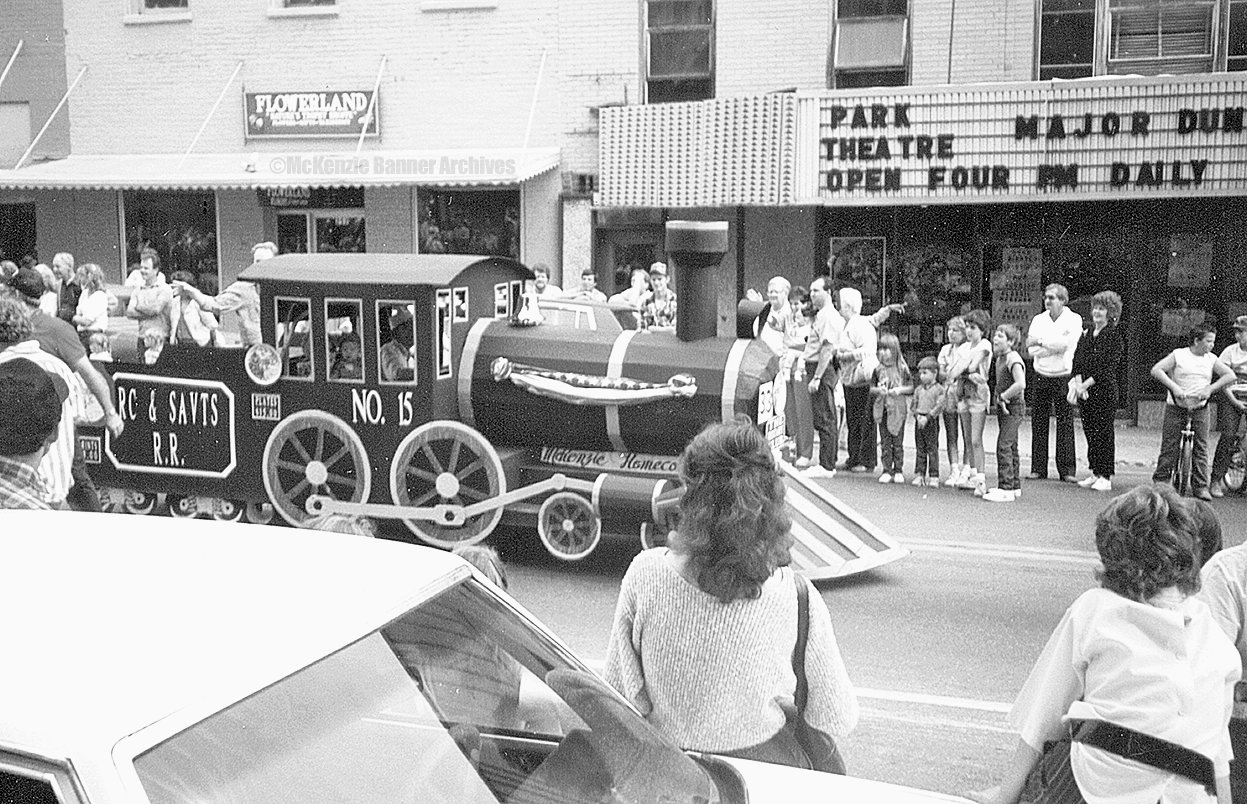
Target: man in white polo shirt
point(1050, 341)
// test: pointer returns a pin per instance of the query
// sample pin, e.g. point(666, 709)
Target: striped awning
point(293, 168)
point(723, 152)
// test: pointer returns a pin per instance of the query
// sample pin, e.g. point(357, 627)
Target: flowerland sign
point(338, 113)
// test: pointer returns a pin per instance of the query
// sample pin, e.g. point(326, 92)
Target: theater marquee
point(1035, 141)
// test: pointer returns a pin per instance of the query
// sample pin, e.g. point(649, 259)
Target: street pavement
point(937, 643)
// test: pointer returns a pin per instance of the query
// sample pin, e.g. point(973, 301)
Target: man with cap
point(30, 414)
point(16, 342)
point(396, 358)
point(1231, 406)
point(658, 309)
point(240, 297)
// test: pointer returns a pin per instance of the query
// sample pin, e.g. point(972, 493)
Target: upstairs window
point(1080, 38)
point(679, 50)
point(1067, 41)
point(871, 47)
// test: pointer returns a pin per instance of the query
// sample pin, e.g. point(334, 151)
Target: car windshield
point(457, 700)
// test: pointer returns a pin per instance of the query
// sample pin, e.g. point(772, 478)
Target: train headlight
point(263, 364)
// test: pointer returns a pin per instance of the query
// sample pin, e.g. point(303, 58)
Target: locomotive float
point(427, 389)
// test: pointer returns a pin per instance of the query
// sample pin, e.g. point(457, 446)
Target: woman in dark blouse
point(1094, 387)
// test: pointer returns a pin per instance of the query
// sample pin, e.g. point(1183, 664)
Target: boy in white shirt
point(1230, 406)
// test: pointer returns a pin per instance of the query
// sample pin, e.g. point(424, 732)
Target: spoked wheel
point(259, 513)
point(227, 510)
point(313, 452)
point(447, 462)
point(568, 527)
point(139, 502)
point(183, 506)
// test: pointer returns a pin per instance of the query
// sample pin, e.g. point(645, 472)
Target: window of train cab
point(395, 342)
point(295, 338)
point(344, 346)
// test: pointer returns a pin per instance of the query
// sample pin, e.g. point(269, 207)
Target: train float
point(434, 391)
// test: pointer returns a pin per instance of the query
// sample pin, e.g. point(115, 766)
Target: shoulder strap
point(798, 650)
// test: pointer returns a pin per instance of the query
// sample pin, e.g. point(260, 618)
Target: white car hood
point(778, 784)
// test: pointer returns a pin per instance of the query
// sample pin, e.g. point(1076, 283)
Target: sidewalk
point(1137, 447)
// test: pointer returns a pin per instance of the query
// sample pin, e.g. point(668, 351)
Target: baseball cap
point(1240, 322)
point(28, 283)
point(30, 406)
point(659, 268)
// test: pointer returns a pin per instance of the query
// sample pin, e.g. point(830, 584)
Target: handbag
point(819, 746)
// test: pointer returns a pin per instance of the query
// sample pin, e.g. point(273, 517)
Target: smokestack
point(695, 249)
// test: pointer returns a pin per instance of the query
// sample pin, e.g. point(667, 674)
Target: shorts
point(974, 398)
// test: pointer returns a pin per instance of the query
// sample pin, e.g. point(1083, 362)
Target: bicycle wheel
point(1236, 472)
point(1182, 473)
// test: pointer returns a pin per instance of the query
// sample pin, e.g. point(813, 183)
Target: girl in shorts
point(969, 373)
point(959, 462)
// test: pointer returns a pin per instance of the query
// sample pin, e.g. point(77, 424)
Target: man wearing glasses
point(1050, 341)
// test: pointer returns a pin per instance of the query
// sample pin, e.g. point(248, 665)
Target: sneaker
point(1037, 476)
point(1203, 494)
point(1017, 494)
point(1088, 481)
point(801, 463)
point(858, 469)
point(1217, 489)
point(1102, 484)
point(933, 482)
point(898, 478)
point(885, 478)
point(954, 476)
point(1068, 479)
point(999, 495)
point(966, 481)
point(920, 481)
point(818, 472)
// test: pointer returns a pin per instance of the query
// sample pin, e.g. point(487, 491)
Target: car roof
point(440, 270)
point(115, 622)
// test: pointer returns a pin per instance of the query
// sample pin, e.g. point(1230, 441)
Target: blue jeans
point(826, 423)
point(891, 447)
point(1171, 440)
point(1008, 467)
point(927, 447)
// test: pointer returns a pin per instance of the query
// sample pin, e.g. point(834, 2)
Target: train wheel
point(259, 513)
point(568, 527)
point(313, 452)
point(227, 510)
point(112, 500)
point(447, 462)
point(183, 506)
point(138, 502)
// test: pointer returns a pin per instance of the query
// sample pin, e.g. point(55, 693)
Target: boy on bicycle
point(1192, 374)
point(1231, 406)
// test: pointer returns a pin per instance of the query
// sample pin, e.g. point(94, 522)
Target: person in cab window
point(397, 364)
point(658, 309)
point(588, 290)
point(542, 285)
point(348, 365)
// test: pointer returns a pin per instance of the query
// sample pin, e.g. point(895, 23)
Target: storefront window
point(17, 231)
point(181, 226)
point(485, 222)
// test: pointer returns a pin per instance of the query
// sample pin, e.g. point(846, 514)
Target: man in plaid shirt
point(30, 415)
point(658, 310)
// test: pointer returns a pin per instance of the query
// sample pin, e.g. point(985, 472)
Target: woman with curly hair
point(1137, 677)
point(1094, 387)
point(704, 629)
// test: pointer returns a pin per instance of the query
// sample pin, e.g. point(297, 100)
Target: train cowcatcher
point(435, 391)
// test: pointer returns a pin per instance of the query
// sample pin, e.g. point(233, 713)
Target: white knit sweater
point(707, 675)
